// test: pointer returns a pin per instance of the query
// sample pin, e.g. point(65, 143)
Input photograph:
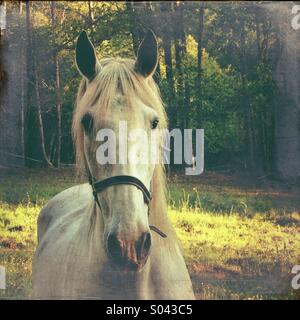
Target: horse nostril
point(147, 242)
point(132, 254)
point(113, 246)
point(143, 245)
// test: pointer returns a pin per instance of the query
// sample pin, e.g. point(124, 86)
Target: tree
point(167, 47)
point(199, 58)
point(215, 72)
point(57, 86)
point(286, 113)
point(12, 61)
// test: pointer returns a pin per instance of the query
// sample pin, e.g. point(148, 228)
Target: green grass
point(245, 257)
point(239, 243)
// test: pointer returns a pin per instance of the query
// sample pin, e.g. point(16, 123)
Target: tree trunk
point(31, 139)
point(91, 18)
point(91, 12)
point(33, 79)
point(168, 62)
point(248, 120)
point(12, 59)
point(179, 40)
point(58, 89)
point(22, 113)
point(287, 111)
point(200, 47)
point(39, 113)
point(199, 64)
point(22, 85)
point(58, 109)
point(133, 27)
point(264, 116)
point(166, 8)
point(167, 33)
point(170, 80)
point(3, 77)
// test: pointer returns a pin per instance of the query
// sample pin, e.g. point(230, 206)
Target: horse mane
point(118, 75)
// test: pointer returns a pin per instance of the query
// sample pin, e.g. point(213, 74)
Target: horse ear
point(147, 56)
point(86, 59)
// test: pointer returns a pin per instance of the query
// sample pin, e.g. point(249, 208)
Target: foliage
point(232, 97)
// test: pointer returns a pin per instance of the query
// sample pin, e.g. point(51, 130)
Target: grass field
point(240, 237)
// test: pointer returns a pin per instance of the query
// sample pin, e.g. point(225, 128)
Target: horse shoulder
point(60, 205)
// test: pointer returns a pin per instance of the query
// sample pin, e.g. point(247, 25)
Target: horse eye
point(87, 123)
point(154, 123)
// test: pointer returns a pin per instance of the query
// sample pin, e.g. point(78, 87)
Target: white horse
point(98, 245)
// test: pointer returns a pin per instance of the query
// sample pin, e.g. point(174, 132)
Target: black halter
point(99, 186)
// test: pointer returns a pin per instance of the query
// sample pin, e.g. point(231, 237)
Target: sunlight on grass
point(232, 240)
point(224, 246)
point(18, 225)
point(236, 247)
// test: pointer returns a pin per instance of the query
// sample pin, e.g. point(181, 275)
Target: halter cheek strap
point(101, 185)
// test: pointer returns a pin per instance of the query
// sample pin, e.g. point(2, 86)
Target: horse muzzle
point(128, 255)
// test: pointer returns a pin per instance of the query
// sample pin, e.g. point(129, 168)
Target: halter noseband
point(101, 185)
